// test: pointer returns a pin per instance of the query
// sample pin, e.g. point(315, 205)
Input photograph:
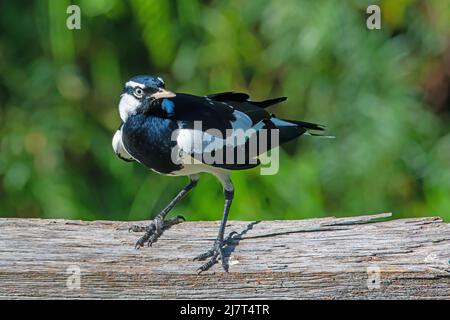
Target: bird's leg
point(216, 252)
point(155, 229)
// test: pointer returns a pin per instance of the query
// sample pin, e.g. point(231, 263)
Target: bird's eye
point(138, 92)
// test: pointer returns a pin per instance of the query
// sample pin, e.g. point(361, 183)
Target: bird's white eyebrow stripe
point(134, 84)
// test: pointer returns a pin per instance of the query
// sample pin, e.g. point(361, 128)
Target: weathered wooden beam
point(326, 258)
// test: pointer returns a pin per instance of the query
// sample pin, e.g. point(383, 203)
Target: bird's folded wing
point(218, 133)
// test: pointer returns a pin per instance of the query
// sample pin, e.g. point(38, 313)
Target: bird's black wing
point(188, 110)
point(222, 125)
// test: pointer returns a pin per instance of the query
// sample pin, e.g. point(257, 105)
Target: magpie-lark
point(179, 134)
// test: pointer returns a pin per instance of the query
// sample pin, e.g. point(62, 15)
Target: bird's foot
point(215, 253)
point(154, 230)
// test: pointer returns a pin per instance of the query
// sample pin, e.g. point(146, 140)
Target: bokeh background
point(383, 93)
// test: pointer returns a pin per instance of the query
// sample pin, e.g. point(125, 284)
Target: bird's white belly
point(191, 169)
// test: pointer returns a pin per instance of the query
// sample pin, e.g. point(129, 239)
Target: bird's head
point(139, 93)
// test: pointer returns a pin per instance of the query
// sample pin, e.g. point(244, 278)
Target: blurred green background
point(383, 93)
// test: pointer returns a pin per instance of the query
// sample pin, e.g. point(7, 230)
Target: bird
point(180, 134)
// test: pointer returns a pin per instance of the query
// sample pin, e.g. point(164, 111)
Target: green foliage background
point(383, 93)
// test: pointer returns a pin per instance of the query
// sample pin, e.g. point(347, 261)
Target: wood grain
point(325, 258)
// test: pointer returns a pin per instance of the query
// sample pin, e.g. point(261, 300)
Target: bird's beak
point(163, 93)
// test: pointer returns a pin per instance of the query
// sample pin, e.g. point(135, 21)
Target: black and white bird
point(179, 134)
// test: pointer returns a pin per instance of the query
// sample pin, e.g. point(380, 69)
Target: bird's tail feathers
point(309, 126)
point(307, 133)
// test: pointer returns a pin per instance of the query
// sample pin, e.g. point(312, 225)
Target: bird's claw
point(137, 228)
point(215, 253)
point(154, 230)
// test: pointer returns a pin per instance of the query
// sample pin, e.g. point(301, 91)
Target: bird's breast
point(151, 140)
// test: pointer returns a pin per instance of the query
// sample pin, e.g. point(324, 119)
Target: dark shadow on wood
point(234, 238)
